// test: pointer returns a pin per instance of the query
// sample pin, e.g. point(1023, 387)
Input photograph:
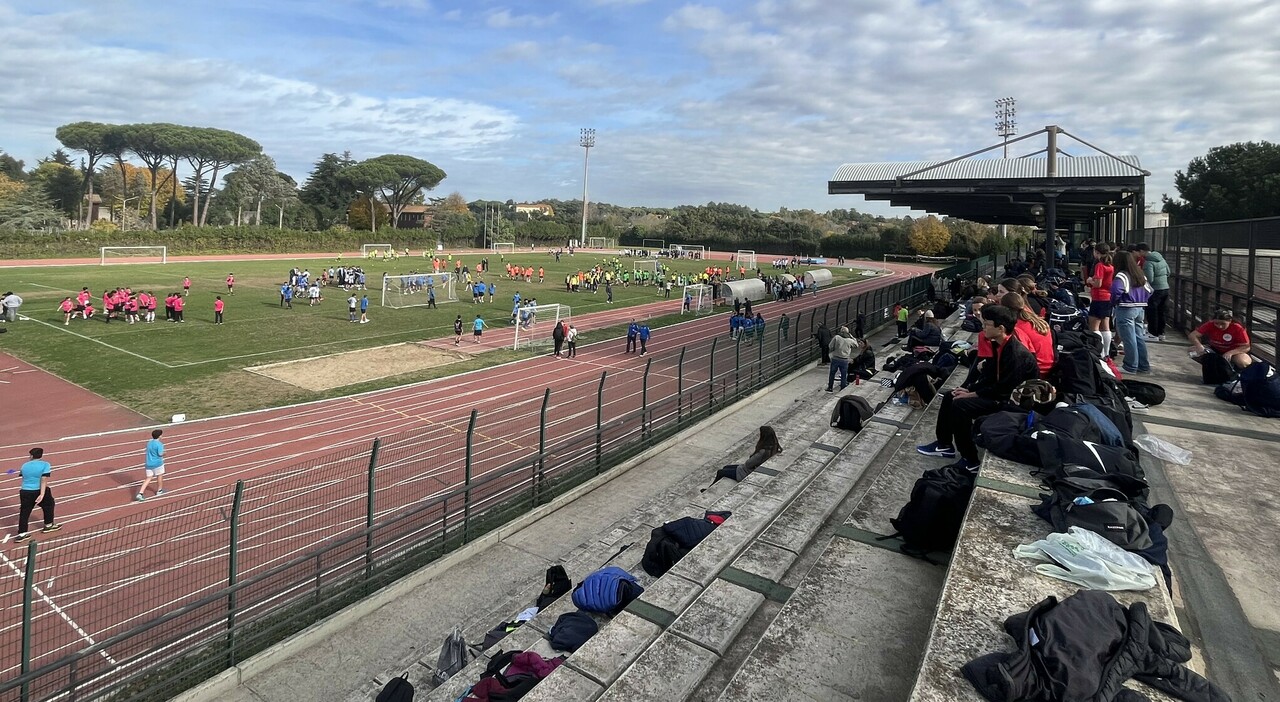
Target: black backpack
point(1064, 318)
point(1215, 369)
point(931, 519)
point(851, 412)
point(513, 687)
point(1075, 371)
point(1098, 505)
point(1261, 389)
point(1058, 452)
point(1148, 394)
point(398, 690)
point(557, 583)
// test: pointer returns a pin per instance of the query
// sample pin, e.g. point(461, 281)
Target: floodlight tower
point(1006, 126)
point(586, 140)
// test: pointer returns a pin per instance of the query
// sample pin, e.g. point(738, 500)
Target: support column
point(1050, 226)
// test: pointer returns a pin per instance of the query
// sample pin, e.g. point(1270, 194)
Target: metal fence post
point(711, 374)
point(680, 387)
point(760, 359)
point(644, 401)
point(466, 495)
point(233, 567)
point(369, 511)
point(542, 448)
point(600, 419)
point(28, 585)
point(737, 364)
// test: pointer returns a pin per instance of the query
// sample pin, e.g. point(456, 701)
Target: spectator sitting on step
point(987, 393)
point(1224, 336)
point(863, 365)
point(929, 333)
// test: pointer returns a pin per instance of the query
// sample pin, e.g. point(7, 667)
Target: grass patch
point(196, 367)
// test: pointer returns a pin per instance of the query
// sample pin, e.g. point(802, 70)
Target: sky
point(754, 103)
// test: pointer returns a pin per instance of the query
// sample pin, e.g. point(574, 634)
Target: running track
point(111, 546)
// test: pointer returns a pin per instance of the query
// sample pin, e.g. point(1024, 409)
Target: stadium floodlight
point(587, 139)
point(133, 254)
point(413, 289)
point(535, 324)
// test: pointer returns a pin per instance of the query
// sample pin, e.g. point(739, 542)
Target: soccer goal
point(654, 244)
point(414, 289)
point(370, 250)
point(646, 265)
point(504, 247)
point(697, 300)
point(696, 251)
point(133, 254)
point(598, 242)
point(535, 324)
point(745, 258)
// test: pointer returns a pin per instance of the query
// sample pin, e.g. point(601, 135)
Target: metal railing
point(1233, 265)
point(142, 609)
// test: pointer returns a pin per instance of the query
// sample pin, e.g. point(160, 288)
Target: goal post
point(504, 247)
point(695, 251)
point(598, 242)
point(653, 244)
point(697, 300)
point(414, 289)
point(649, 266)
point(745, 258)
point(535, 324)
point(133, 254)
point(370, 250)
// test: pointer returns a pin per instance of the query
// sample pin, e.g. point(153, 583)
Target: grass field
point(197, 367)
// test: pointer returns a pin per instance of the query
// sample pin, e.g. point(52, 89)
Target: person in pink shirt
point(67, 308)
point(177, 308)
point(231, 283)
point(107, 306)
point(83, 298)
point(217, 310)
point(151, 307)
point(186, 286)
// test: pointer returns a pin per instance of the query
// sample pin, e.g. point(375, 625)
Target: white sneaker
point(1135, 406)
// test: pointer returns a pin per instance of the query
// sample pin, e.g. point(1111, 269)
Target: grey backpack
point(453, 657)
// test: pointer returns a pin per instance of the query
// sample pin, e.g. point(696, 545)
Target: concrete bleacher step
point(753, 507)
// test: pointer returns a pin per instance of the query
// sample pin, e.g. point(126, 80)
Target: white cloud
point(505, 19)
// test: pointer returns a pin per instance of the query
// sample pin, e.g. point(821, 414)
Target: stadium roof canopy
point(1049, 187)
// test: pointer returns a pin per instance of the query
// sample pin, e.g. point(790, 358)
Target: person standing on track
point(572, 338)
point(457, 331)
point(644, 338)
point(35, 491)
point(477, 328)
point(153, 465)
point(633, 333)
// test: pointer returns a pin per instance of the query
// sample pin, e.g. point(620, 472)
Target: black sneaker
point(20, 538)
point(51, 527)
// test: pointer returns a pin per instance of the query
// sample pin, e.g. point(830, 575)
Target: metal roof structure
point(1049, 188)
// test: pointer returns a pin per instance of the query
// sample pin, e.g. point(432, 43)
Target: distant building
point(1152, 220)
point(416, 217)
point(541, 209)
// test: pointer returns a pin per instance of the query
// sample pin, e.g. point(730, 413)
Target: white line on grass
point(41, 594)
point(96, 341)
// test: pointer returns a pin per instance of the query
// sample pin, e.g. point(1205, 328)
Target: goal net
point(598, 242)
point(535, 324)
point(504, 247)
point(697, 300)
point(645, 270)
point(653, 244)
point(745, 258)
point(696, 251)
point(414, 289)
point(372, 250)
point(133, 254)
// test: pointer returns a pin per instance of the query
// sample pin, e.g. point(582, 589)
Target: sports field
point(198, 368)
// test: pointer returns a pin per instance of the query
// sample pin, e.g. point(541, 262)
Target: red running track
point(173, 549)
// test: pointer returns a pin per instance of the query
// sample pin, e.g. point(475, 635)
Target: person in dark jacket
point(989, 392)
point(1085, 648)
point(928, 333)
point(558, 336)
point(823, 335)
point(863, 365)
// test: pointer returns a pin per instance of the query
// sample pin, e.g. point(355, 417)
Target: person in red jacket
point(1100, 296)
point(1032, 330)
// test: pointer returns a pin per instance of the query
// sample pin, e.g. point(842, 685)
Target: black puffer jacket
point(1087, 647)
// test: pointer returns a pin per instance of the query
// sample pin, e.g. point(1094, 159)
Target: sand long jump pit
point(354, 367)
